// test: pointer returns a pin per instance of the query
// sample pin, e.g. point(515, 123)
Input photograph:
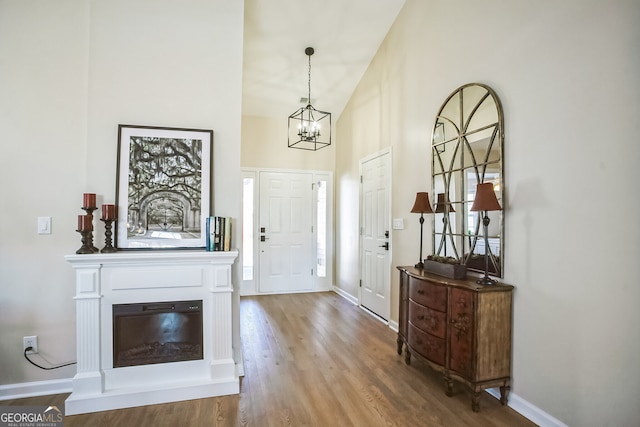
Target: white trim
point(528, 410)
point(376, 154)
point(374, 315)
point(384, 152)
point(312, 171)
point(353, 300)
point(393, 325)
point(320, 284)
point(249, 287)
point(35, 388)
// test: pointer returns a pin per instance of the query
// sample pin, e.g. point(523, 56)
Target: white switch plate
point(398, 223)
point(44, 225)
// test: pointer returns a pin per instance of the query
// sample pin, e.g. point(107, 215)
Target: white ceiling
point(345, 34)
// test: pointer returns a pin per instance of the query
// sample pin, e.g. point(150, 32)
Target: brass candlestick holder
point(108, 247)
point(89, 210)
point(87, 242)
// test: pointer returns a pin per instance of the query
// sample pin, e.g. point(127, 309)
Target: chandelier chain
point(309, 99)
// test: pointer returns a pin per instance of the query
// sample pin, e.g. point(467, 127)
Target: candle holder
point(87, 242)
point(108, 248)
point(89, 210)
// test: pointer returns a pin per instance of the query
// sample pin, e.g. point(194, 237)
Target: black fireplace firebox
point(157, 332)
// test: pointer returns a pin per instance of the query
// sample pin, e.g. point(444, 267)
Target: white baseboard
point(35, 388)
point(353, 300)
point(393, 325)
point(528, 410)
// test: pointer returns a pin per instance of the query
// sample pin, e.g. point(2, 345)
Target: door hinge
point(312, 272)
point(360, 179)
point(360, 282)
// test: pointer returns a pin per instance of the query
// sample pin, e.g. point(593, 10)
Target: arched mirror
point(467, 148)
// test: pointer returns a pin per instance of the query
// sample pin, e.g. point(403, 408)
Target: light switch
point(44, 225)
point(398, 224)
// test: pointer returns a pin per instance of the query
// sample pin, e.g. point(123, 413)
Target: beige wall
point(567, 75)
point(264, 145)
point(72, 70)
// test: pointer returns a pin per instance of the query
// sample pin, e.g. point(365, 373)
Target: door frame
point(387, 151)
point(320, 284)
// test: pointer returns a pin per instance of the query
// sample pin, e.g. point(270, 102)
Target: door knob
point(385, 246)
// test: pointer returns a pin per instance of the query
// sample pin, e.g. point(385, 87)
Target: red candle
point(109, 212)
point(89, 200)
point(85, 222)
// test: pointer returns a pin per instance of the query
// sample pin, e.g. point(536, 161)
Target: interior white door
point(285, 232)
point(374, 220)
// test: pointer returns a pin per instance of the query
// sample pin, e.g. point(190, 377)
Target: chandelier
point(305, 125)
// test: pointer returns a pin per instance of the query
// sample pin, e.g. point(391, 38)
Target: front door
point(374, 220)
point(285, 234)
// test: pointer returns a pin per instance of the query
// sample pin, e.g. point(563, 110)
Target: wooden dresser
point(459, 328)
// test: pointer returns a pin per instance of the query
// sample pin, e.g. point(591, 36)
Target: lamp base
point(486, 280)
point(419, 265)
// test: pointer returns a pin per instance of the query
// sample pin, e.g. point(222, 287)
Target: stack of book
point(218, 233)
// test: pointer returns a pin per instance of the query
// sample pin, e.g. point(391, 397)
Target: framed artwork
point(163, 187)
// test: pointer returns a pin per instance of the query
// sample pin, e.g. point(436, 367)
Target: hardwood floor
point(314, 360)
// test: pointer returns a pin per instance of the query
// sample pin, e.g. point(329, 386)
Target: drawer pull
point(421, 317)
point(420, 292)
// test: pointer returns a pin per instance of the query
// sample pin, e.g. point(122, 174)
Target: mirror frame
point(453, 172)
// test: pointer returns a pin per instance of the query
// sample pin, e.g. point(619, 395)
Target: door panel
point(286, 250)
point(375, 190)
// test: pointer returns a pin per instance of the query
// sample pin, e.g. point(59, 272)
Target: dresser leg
point(475, 401)
point(407, 356)
point(400, 341)
point(504, 394)
point(448, 387)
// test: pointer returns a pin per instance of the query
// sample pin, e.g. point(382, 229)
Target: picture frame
point(164, 183)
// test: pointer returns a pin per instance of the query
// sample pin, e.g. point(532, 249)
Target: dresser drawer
point(427, 319)
point(430, 347)
point(428, 294)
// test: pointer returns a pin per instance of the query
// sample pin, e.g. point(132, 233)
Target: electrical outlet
point(32, 342)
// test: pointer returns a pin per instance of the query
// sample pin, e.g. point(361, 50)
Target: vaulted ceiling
point(345, 35)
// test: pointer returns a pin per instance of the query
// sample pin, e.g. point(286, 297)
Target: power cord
point(42, 367)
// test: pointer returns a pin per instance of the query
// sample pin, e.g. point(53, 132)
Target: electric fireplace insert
point(157, 332)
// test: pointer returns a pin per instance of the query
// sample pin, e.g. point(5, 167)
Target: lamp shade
point(443, 205)
point(422, 203)
point(485, 199)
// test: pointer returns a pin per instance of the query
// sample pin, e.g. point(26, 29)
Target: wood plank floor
point(314, 360)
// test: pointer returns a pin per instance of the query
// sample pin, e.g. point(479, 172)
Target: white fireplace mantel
point(103, 280)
